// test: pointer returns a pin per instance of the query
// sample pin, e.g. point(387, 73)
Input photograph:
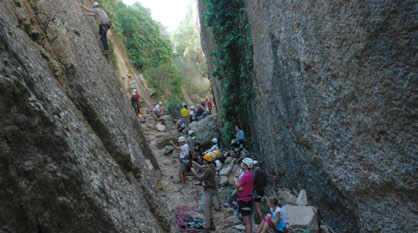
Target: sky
point(169, 12)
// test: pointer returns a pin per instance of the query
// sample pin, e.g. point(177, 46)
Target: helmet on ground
point(160, 103)
point(214, 140)
point(248, 162)
point(95, 4)
point(190, 132)
point(182, 139)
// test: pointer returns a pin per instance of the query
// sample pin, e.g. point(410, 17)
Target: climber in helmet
point(104, 25)
point(209, 190)
point(184, 158)
point(244, 186)
point(214, 146)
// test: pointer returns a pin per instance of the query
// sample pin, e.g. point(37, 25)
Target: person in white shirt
point(277, 219)
point(184, 158)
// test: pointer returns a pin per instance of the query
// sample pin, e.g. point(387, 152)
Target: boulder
point(163, 140)
point(302, 198)
point(286, 197)
point(160, 127)
point(168, 121)
point(168, 150)
point(229, 160)
point(206, 129)
point(226, 171)
point(305, 217)
point(223, 181)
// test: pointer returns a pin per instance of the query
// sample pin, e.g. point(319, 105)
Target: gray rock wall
point(336, 82)
point(336, 104)
point(71, 149)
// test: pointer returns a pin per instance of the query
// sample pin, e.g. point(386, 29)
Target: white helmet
point(160, 103)
point(192, 107)
point(95, 4)
point(214, 140)
point(248, 162)
point(184, 104)
point(194, 138)
point(190, 132)
point(182, 139)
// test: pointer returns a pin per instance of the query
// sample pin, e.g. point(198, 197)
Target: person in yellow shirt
point(184, 111)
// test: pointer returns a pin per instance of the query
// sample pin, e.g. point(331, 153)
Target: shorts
point(258, 194)
point(275, 228)
point(183, 167)
point(245, 207)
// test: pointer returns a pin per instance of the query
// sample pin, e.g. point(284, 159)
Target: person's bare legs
point(248, 224)
point(260, 227)
point(265, 227)
point(182, 177)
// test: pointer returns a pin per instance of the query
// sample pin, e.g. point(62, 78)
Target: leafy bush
point(142, 37)
point(174, 108)
point(165, 81)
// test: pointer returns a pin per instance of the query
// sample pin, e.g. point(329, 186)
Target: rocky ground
point(169, 182)
point(188, 197)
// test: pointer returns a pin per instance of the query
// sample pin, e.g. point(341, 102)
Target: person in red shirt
point(210, 105)
point(245, 186)
point(138, 96)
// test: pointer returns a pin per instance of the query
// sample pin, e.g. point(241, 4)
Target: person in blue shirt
point(240, 134)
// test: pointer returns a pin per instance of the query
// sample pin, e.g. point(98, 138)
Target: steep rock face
point(207, 42)
point(71, 149)
point(336, 83)
point(336, 101)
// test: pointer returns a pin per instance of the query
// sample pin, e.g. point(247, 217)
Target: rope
point(181, 211)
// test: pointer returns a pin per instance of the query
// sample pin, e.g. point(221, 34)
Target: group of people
point(191, 114)
point(248, 187)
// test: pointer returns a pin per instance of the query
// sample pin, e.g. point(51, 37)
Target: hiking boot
point(105, 52)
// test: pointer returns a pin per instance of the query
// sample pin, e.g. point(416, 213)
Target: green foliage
point(165, 81)
point(233, 58)
point(146, 46)
point(174, 108)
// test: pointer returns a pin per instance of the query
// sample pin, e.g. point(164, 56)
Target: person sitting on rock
point(276, 219)
point(214, 146)
point(208, 178)
point(184, 159)
point(104, 25)
point(240, 135)
point(199, 112)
